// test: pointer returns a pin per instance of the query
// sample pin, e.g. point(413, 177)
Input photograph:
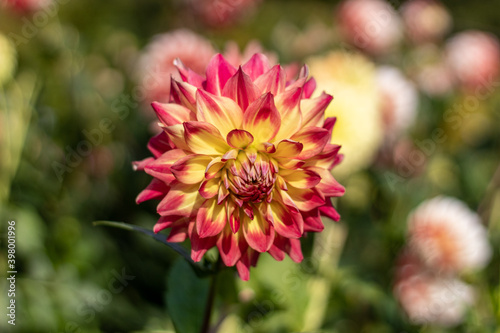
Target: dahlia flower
point(428, 298)
point(243, 162)
point(474, 59)
point(399, 100)
point(7, 59)
point(447, 236)
point(372, 26)
point(425, 20)
point(360, 128)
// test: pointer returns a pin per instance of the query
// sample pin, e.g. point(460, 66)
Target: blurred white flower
point(398, 101)
point(447, 236)
point(359, 130)
point(474, 58)
point(370, 25)
point(425, 20)
point(428, 298)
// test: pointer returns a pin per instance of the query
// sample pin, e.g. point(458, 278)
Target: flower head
point(474, 59)
point(429, 298)
point(425, 20)
point(447, 236)
point(156, 64)
point(399, 100)
point(372, 26)
point(360, 128)
point(243, 162)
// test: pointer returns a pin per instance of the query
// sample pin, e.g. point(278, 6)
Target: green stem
point(210, 301)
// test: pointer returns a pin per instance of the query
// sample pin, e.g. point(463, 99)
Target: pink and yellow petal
point(273, 81)
point(288, 105)
point(301, 178)
point(258, 233)
point(313, 110)
point(157, 189)
point(220, 111)
point(219, 71)
point(239, 139)
point(204, 138)
point(287, 223)
point(313, 140)
point(262, 119)
point(182, 200)
point(241, 89)
point(211, 218)
point(190, 169)
point(170, 113)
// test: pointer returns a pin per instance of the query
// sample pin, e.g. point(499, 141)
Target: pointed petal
point(288, 105)
point(219, 111)
point(309, 88)
point(258, 232)
point(190, 169)
point(328, 185)
point(312, 221)
point(243, 267)
point(214, 167)
point(211, 218)
point(178, 233)
point(233, 214)
point(313, 110)
point(218, 73)
point(160, 168)
point(168, 221)
point(204, 138)
point(272, 81)
point(188, 75)
point(262, 119)
point(159, 144)
point(155, 190)
point(306, 199)
point(288, 149)
point(314, 140)
point(230, 155)
point(241, 89)
point(176, 135)
point(171, 114)
point(325, 159)
point(209, 188)
point(230, 246)
point(199, 246)
point(182, 200)
point(239, 139)
point(301, 178)
point(141, 165)
point(256, 66)
point(184, 94)
point(287, 223)
point(329, 211)
point(284, 245)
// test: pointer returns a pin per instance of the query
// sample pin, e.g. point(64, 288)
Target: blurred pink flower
point(399, 101)
point(220, 13)
point(474, 58)
point(372, 26)
point(156, 65)
point(447, 236)
point(26, 5)
point(428, 298)
point(425, 20)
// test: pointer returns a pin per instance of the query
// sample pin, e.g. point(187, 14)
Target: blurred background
point(416, 86)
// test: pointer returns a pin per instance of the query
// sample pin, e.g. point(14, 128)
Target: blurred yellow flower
point(7, 59)
point(352, 77)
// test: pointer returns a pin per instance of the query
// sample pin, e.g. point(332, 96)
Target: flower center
point(251, 178)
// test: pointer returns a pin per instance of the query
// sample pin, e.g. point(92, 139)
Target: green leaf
point(186, 298)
